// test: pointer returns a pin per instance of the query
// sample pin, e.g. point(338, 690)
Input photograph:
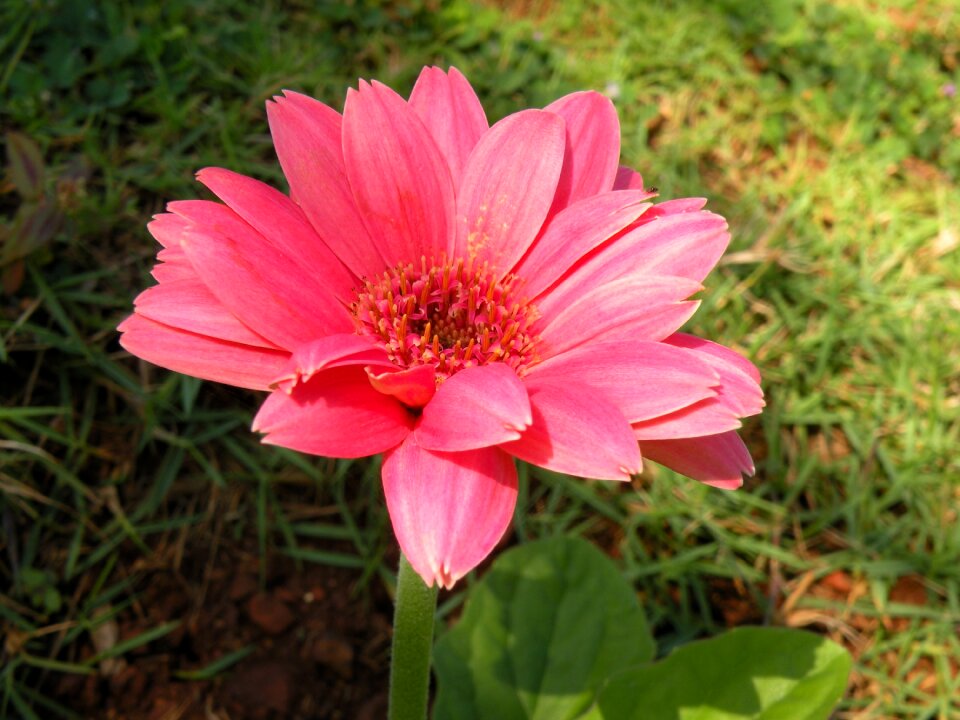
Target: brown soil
point(317, 646)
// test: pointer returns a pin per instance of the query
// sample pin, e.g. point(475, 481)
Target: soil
point(311, 644)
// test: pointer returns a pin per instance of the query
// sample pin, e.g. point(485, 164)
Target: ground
point(303, 645)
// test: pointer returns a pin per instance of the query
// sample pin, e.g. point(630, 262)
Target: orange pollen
point(448, 314)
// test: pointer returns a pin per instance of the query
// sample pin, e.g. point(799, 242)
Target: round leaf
point(550, 622)
point(755, 673)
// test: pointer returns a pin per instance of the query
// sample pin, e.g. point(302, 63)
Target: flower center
point(451, 314)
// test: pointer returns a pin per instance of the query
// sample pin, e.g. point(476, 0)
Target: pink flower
point(455, 296)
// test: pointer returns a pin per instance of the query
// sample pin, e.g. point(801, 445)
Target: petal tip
point(444, 577)
point(732, 484)
point(206, 173)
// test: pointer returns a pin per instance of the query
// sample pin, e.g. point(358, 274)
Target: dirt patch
point(299, 643)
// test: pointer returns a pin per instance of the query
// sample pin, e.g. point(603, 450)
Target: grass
point(825, 131)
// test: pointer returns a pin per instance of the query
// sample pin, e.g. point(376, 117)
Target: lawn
point(157, 561)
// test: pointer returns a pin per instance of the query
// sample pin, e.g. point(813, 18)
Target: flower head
point(456, 296)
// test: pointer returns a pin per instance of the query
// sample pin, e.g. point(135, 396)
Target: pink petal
point(329, 352)
point(200, 356)
point(627, 179)
point(400, 179)
point(265, 289)
point(721, 353)
point(321, 114)
point(592, 146)
point(677, 206)
point(739, 379)
point(706, 417)
point(414, 387)
point(576, 433)
point(644, 379)
point(167, 229)
point(574, 232)
point(282, 223)
point(173, 266)
point(189, 305)
point(637, 307)
point(686, 244)
point(164, 272)
point(307, 136)
point(451, 111)
point(475, 408)
point(175, 254)
point(508, 187)
point(449, 510)
point(717, 460)
point(335, 414)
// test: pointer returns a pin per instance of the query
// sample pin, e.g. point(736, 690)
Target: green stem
point(412, 645)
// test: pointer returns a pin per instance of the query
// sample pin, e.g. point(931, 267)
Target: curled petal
point(413, 387)
point(329, 352)
point(335, 414)
point(717, 354)
point(739, 378)
point(448, 510)
point(738, 395)
point(477, 407)
point(706, 417)
point(576, 434)
point(452, 113)
point(719, 460)
point(204, 357)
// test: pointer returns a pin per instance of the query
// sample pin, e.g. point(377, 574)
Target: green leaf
point(539, 635)
point(756, 673)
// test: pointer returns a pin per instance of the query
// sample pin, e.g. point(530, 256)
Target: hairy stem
point(412, 645)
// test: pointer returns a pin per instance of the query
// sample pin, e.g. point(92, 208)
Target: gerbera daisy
point(456, 296)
